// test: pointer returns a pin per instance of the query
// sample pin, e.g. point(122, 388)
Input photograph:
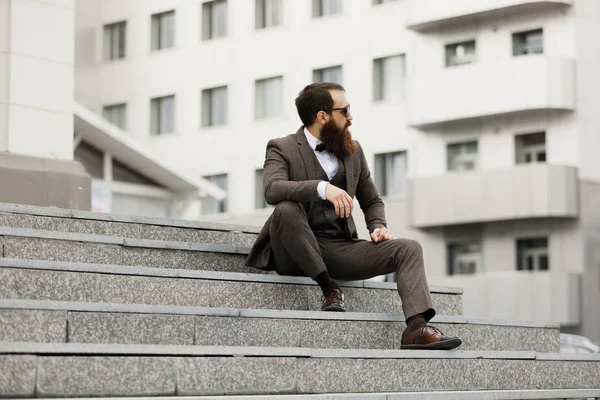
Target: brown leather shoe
point(428, 337)
point(334, 301)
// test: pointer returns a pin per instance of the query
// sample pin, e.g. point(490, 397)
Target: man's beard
point(338, 141)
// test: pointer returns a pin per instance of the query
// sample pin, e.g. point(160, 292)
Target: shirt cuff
point(321, 189)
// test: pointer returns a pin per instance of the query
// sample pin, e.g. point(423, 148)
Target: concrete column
point(36, 105)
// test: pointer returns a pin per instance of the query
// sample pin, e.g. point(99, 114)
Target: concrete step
point(64, 220)
point(45, 280)
point(76, 322)
point(88, 370)
point(557, 394)
point(85, 248)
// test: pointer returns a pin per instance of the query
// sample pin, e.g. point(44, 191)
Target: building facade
point(479, 121)
point(36, 96)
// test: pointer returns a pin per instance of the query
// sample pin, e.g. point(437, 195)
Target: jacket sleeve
point(368, 196)
point(276, 178)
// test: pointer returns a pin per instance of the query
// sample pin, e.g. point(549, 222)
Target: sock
point(414, 322)
point(326, 283)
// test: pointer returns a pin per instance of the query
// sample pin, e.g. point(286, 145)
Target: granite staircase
point(100, 305)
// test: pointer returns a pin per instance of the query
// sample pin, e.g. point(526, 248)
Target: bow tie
point(320, 147)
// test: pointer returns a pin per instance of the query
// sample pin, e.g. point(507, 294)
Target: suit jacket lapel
point(307, 154)
point(348, 165)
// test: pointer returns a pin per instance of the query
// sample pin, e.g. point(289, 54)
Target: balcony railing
point(524, 191)
point(429, 15)
point(540, 296)
point(519, 84)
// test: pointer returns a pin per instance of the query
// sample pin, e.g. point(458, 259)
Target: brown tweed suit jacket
point(290, 174)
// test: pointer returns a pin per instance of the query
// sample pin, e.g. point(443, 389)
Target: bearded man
point(311, 177)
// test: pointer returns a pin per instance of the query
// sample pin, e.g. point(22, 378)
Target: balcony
point(430, 15)
point(517, 85)
point(524, 191)
point(540, 296)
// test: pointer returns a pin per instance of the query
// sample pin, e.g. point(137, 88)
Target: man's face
point(339, 117)
point(335, 134)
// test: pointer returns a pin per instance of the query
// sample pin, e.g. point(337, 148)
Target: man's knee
point(286, 210)
point(414, 246)
point(408, 248)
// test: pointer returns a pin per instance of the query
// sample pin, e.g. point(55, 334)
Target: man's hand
point(381, 235)
point(340, 199)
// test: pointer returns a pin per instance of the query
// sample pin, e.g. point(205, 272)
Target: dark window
point(114, 41)
point(531, 42)
point(464, 258)
point(214, 19)
point(212, 206)
point(530, 148)
point(532, 254)
point(163, 30)
point(460, 53)
point(390, 173)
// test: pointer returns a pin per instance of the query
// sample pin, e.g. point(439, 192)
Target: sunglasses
point(345, 110)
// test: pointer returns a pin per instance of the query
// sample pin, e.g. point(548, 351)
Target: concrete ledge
point(168, 325)
point(198, 274)
point(69, 236)
point(76, 214)
point(102, 239)
point(453, 395)
point(103, 286)
point(126, 230)
point(44, 182)
point(206, 247)
point(116, 370)
point(10, 304)
point(247, 351)
point(567, 357)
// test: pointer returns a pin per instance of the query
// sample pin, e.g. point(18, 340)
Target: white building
point(479, 120)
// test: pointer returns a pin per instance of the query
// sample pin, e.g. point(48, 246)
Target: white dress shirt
point(329, 162)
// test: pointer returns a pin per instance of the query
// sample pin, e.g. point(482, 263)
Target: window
point(212, 206)
point(531, 42)
point(532, 254)
point(163, 30)
point(323, 8)
point(390, 173)
point(376, 2)
point(116, 114)
point(162, 115)
point(464, 258)
point(114, 41)
point(530, 148)
point(214, 19)
point(460, 53)
point(268, 13)
point(269, 97)
point(389, 75)
point(331, 74)
point(462, 156)
point(214, 106)
point(259, 198)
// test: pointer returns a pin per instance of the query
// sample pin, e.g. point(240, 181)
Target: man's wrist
point(321, 188)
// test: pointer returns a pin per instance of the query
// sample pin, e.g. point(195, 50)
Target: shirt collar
point(312, 141)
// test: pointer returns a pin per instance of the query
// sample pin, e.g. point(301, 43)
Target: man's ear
point(322, 117)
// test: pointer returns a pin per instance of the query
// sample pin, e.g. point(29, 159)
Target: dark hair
point(314, 98)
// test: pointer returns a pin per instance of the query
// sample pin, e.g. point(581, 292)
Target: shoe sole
point(445, 345)
point(334, 308)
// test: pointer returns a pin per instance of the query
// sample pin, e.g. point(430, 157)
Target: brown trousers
point(295, 250)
